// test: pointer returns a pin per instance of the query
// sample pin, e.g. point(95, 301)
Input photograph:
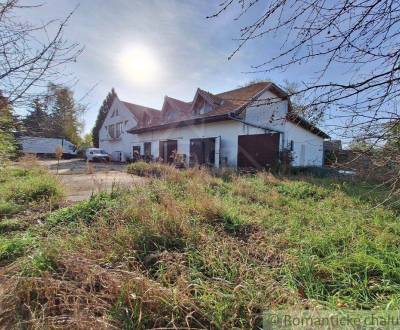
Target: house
point(121, 117)
point(244, 127)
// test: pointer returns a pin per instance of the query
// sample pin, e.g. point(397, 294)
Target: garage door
point(258, 151)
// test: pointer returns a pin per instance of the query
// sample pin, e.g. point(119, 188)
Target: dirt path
point(80, 185)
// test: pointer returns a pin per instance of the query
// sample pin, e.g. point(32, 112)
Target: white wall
point(313, 145)
point(273, 116)
point(124, 142)
point(228, 131)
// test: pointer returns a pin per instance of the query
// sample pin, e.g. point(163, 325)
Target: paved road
point(81, 182)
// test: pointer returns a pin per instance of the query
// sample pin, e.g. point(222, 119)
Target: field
point(192, 250)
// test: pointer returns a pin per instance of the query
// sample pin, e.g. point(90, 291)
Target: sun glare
point(139, 64)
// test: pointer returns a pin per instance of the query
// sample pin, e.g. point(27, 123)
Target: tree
point(393, 140)
point(299, 103)
point(30, 55)
point(101, 116)
point(8, 126)
point(64, 113)
point(37, 122)
point(361, 38)
point(87, 141)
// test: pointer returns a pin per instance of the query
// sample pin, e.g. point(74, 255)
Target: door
point(303, 155)
point(167, 149)
point(196, 152)
point(258, 151)
point(202, 151)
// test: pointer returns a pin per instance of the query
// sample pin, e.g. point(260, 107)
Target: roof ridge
point(141, 106)
point(173, 98)
point(266, 83)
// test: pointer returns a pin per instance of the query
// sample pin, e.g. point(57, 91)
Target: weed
point(10, 225)
point(85, 211)
point(41, 261)
point(192, 249)
point(8, 208)
point(14, 247)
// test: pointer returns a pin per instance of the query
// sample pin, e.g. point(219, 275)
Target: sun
point(139, 64)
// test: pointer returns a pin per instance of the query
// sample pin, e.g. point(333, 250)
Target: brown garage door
point(258, 151)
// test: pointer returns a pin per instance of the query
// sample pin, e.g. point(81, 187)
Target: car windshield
point(99, 151)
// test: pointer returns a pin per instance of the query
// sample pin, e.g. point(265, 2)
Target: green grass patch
point(10, 225)
point(15, 246)
point(85, 211)
point(21, 186)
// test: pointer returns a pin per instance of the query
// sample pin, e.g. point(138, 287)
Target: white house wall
point(124, 142)
point(313, 145)
point(273, 116)
point(228, 131)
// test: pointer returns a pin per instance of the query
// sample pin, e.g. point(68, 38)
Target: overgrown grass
point(21, 187)
point(190, 249)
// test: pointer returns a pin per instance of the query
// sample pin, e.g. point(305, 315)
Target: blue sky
point(188, 50)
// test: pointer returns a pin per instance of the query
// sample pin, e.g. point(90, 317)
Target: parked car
point(97, 154)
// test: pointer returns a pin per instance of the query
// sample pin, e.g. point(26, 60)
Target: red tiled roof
point(178, 104)
point(224, 105)
point(140, 112)
point(301, 122)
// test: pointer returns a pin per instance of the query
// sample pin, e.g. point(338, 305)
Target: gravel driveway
point(80, 184)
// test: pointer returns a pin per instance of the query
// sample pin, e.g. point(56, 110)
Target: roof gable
point(145, 116)
point(174, 109)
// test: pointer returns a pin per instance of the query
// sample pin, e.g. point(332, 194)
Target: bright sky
point(149, 49)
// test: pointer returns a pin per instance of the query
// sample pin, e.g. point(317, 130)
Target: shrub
point(34, 188)
point(155, 170)
point(21, 186)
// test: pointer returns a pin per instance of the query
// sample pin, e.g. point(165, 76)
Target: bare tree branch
point(30, 56)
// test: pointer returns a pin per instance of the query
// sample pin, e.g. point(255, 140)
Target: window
point(111, 130)
point(202, 107)
point(118, 129)
point(291, 145)
point(205, 108)
point(114, 113)
point(147, 148)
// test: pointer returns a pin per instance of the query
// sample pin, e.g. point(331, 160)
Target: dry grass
point(194, 250)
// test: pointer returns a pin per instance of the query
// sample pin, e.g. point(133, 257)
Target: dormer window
point(146, 119)
point(202, 107)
